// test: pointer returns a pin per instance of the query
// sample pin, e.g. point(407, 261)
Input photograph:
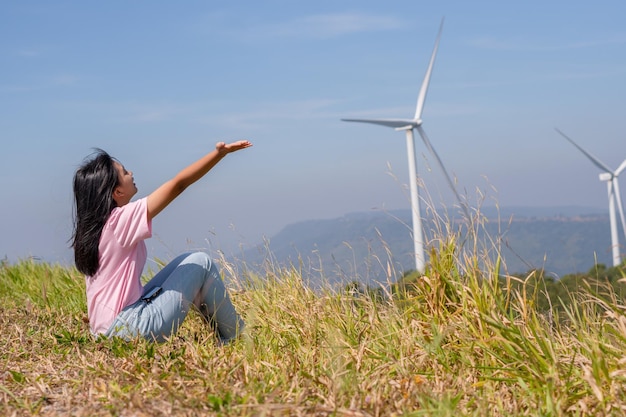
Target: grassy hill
point(460, 341)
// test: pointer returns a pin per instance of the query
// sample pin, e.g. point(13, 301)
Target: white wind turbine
point(408, 125)
point(610, 177)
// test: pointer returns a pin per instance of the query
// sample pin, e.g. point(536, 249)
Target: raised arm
point(166, 193)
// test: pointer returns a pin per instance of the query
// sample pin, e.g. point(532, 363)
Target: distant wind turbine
point(408, 125)
point(610, 177)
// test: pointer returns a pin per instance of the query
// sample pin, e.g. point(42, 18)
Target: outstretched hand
point(224, 148)
point(169, 190)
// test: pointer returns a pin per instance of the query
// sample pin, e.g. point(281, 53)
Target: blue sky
point(157, 83)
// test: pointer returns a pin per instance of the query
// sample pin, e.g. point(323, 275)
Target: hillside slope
point(369, 247)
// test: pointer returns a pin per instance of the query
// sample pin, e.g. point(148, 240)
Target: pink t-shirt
point(123, 255)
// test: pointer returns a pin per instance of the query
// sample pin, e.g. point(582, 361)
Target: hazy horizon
point(162, 250)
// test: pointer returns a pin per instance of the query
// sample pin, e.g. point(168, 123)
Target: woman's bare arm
point(166, 193)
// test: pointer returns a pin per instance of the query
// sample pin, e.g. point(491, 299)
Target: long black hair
point(94, 183)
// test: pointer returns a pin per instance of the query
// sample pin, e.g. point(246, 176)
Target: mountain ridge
point(374, 247)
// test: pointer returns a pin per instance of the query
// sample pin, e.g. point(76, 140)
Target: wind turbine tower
point(612, 184)
point(409, 126)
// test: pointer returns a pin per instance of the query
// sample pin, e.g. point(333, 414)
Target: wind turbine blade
point(620, 169)
point(618, 197)
point(593, 159)
point(421, 98)
point(395, 123)
point(430, 148)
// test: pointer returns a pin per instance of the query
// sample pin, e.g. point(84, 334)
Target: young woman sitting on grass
point(109, 248)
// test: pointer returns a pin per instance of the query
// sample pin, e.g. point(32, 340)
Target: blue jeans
point(190, 279)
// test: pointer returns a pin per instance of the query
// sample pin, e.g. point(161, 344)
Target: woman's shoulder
point(132, 209)
point(128, 223)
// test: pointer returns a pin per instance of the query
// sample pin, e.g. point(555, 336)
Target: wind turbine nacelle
point(411, 124)
point(605, 176)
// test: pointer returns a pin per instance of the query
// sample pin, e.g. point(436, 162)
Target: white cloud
point(321, 26)
point(331, 25)
point(28, 53)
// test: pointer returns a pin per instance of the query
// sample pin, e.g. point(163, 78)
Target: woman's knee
point(212, 272)
point(199, 258)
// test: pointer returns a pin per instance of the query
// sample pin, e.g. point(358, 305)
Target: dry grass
point(458, 343)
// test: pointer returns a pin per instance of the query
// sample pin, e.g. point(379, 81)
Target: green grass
point(455, 342)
